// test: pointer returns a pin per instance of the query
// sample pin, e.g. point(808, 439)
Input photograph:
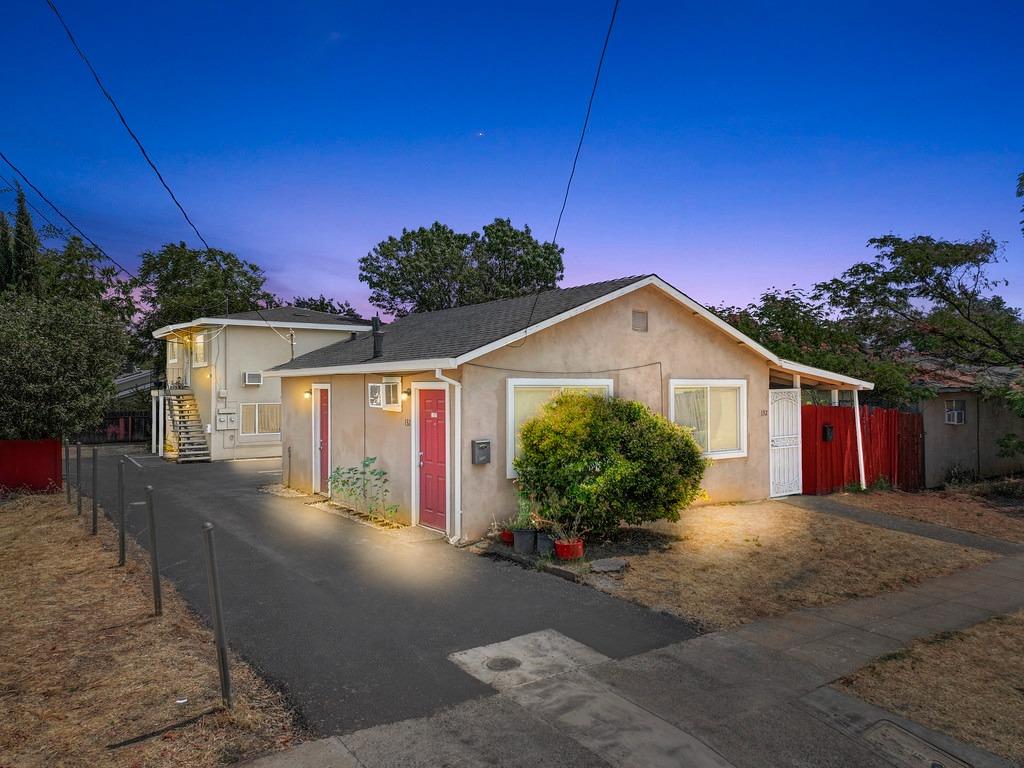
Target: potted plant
point(524, 534)
point(503, 530)
point(568, 538)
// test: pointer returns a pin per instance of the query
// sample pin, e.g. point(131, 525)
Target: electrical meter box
point(227, 417)
point(481, 451)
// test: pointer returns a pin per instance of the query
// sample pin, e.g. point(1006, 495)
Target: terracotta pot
point(569, 550)
point(506, 537)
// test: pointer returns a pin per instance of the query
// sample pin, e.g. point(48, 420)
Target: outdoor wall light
point(406, 393)
point(308, 394)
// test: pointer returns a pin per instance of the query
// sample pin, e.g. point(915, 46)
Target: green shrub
point(610, 461)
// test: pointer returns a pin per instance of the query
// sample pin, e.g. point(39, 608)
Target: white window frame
point(257, 433)
point(392, 385)
point(673, 384)
point(375, 394)
point(206, 350)
point(172, 345)
point(510, 407)
point(954, 410)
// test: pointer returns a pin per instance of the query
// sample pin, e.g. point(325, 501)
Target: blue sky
point(732, 146)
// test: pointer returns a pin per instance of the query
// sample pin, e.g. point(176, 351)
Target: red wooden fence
point(893, 448)
point(33, 465)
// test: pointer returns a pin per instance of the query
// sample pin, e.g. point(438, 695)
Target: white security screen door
point(784, 435)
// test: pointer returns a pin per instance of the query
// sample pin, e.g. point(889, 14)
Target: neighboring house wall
point(971, 447)
point(599, 343)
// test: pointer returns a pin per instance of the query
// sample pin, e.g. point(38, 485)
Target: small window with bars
point(956, 411)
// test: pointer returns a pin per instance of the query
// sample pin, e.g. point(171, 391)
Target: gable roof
point(277, 317)
point(448, 338)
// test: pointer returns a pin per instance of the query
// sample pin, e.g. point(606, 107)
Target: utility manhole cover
point(502, 663)
point(909, 750)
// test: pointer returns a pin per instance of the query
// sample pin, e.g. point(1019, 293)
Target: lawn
point(982, 508)
point(84, 664)
point(969, 684)
point(723, 566)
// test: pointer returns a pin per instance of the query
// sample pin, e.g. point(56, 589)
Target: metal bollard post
point(217, 616)
point(95, 477)
point(120, 512)
point(289, 484)
point(67, 470)
point(154, 563)
point(78, 475)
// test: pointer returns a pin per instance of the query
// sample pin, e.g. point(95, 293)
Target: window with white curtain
point(199, 350)
point(172, 351)
point(527, 396)
point(261, 418)
point(715, 410)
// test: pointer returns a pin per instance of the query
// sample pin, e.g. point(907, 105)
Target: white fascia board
point(399, 366)
point(204, 321)
point(654, 280)
point(820, 373)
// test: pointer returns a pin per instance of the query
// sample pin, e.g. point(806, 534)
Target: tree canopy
point(435, 267)
point(322, 303)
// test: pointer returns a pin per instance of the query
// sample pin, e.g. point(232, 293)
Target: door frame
point(415, 447)
point(799, 443)
point(314, 456)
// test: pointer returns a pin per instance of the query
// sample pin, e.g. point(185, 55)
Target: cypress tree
point(5, 252)
point(25, 248)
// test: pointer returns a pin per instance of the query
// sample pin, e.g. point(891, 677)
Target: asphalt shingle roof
point(453, 332)
point(293, 315)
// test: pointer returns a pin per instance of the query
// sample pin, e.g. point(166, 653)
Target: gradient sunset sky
point(732, 147)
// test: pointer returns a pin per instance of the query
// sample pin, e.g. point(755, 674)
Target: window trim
point(172, 344)
point(206, 350)
point(257, 433)
point(962, 411)
point(510, 407)
point(673, 384)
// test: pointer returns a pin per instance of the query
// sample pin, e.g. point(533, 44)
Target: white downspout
point(152, 421)
point(860, 440)
point(457, 533)
point(162, 412)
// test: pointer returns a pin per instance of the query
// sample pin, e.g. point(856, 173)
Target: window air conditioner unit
point(252, 378)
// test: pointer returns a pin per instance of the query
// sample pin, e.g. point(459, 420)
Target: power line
point(586, 120)
point(30, 204)
point(60, 213)
point(124, 121)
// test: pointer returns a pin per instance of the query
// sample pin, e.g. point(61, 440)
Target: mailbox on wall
point(481, 451)
point(826, 433)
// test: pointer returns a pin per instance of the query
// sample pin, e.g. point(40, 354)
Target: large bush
point(609, 461)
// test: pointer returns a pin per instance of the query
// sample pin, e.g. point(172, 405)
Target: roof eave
point(396, 366)
point(824, 375)
point(160, 333)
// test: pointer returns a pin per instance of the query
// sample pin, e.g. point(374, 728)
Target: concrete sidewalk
point(757, 696)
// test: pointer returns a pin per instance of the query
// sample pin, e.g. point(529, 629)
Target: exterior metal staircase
point(187, 432)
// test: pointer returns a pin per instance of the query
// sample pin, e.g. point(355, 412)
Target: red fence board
point(893, 448)
point(33, 465)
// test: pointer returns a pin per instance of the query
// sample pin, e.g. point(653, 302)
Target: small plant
point(881, 484)
point(364, 489)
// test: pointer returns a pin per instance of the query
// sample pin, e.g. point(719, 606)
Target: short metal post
point(154, 563)
point(78, 475)
point(67, 470)
point(120, 512)
point(95, 477)
point(289, 466)
point(217, 616)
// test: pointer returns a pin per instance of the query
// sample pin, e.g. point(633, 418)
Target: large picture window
point(716, 412)
point(199, 350)
point(261, 418)
point(527, 396)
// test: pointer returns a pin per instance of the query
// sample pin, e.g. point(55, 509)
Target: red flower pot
point(506, 537)
point(569, 550)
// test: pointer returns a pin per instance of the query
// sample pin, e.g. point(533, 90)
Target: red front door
point(433, 498)
point(323, 439)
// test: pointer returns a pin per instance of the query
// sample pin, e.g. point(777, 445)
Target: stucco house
point(438, 397)
point(216, 403)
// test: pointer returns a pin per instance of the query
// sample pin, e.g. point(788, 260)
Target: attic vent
point(640, 320)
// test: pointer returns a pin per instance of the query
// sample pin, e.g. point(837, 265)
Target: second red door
point(433, 501)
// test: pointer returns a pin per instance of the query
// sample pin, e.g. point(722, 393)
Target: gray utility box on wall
point(481, 451)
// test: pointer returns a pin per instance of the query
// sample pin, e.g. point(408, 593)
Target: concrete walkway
point(830, 505)
point(757, 696)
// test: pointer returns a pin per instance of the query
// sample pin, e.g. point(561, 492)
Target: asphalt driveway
point(356, 623)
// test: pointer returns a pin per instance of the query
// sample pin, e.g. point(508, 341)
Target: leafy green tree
point(323, 304)
point(176, 284)
point(79, 271)
point(438, 268)
point(24, 263)
point(59, 357)
point(606, 461)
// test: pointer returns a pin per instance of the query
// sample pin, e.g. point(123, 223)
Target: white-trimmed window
point(261, 418)
point(715, 410)
point(172, 352)
point(199, 350)
point(527, 396)
point(956, 411)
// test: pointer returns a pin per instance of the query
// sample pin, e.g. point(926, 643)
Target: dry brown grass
point(953, 509)
point(723, 566)
point(969, 684)
point(83, 663)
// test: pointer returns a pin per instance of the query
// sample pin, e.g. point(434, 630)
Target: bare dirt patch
point(968, 684)
point(84, 664)
point(722, 566)
point(996, 515)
